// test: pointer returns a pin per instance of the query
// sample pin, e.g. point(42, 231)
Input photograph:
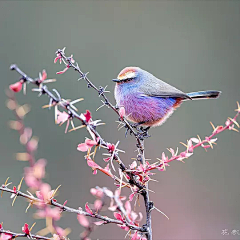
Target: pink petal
point(5, 236)
point(16, 87)
point(62, 117)
point(128, 206)
point(107, 159)
point(99, 223)
point(83, 220)
point(118, 216)
point(63, 71)
point(90, 142)
point(88, 116)
point(135, 236)
point(131, 196)
point(92, 164)
point(96, 192)
point(87, 208)
point(133, 165)
point(98, 204)
point(44, 75)
point(122, 112)
point(25, 229)
point(195, 140)
point(83, 147)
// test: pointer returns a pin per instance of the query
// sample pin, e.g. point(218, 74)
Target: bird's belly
point(150, 111)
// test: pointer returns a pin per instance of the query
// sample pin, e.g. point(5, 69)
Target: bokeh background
point(193, 45)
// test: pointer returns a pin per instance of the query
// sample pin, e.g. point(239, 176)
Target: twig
point(16, 235)
point(70, 64)
point(145, 194)
point(65, 208)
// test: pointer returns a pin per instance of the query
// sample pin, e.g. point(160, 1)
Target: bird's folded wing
point(157, 88)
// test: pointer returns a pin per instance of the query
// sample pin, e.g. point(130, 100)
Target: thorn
point(20, 184)
point(74, 129)
point(234, 121)
point(30, 229)
point(234, 129)
point(184, 144)
point(212, 126)
point(161, 212)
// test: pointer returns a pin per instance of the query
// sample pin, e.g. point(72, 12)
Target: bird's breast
point(142, 108)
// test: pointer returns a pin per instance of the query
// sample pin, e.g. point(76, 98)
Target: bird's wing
point(157, 88)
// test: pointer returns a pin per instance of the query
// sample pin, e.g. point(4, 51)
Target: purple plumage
point(148, 100)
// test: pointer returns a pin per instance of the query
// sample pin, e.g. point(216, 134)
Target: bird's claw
point(141, 131)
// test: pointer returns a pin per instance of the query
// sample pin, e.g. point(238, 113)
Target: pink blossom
point(99, 223)
point(184, 155)
point(111, 147)
point(135, 236)
point(45, 193)
point(33, 175)
point(15, 190)
point(195, 140)
point(16, 87)
point(133, 165)
point(83, 147)
point(39, 168)
point(96, 167)
point(53, 213)
point(131, 196)
point(61, 232)
point(164, 158)
point(97, 192)
point(83, 220)
point(124, 227)
point(32, 145)
point(218, 129)
point(25, 229)
point(88, 116)
point(62, 117)
point(64, 70)
point(88, 210)
point(118, 216)
point(42, 76)
point(122, 112)
point(98, 204)
point(107, 159)
point(58, 57)
point(128, 207)
point(190, 146)
point(5, 236)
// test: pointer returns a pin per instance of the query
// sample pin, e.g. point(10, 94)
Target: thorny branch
point(140, 141)
point(25, 139)
point(64, 208)
point(43, 90)
point(12, 235)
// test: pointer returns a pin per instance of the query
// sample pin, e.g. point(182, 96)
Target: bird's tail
point(204, 94)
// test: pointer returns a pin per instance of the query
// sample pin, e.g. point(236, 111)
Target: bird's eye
point(128, 79)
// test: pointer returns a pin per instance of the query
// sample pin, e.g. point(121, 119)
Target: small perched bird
point(149, 101)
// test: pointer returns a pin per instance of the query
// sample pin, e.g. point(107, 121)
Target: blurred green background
point(193, 45)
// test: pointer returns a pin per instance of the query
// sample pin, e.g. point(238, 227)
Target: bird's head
point(128, 74)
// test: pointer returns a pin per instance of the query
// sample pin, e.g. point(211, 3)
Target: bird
point(149, 101)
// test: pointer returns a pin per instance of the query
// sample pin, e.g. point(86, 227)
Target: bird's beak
point(116, 80)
